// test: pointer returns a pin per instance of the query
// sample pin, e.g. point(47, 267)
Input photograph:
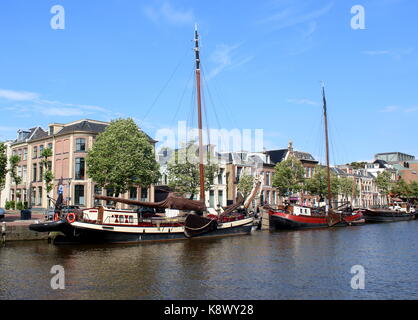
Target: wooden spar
point(327, 146)
point(199, 115)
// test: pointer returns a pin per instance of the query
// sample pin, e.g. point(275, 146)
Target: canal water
point(309, 264)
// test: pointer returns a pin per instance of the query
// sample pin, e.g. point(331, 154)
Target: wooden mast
point(199, 115)
point(327, 148)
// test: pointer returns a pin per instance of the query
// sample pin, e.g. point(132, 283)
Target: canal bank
point(15, 229)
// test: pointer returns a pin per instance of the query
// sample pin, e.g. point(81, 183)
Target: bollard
point(3, 232)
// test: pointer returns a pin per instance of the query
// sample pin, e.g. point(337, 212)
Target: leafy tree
point(357, 165)
point(245, 184)
point(346, 187)
point(401, 189)
point(318, 184)
point(121, 157)
point(3, 166)
point(289, 176)
point(414, 189)
point(14, 161)
point(48, 176)
point(184, 174)
point(384, 183)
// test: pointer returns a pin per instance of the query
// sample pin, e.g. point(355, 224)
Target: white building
point(4, 194)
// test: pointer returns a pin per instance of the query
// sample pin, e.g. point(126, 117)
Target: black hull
point(85, 235)
point(385, 218)
point(55, 226)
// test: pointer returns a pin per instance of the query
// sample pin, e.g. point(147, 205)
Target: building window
point(79, 168)
point(24, 173)
point(33, 196)
point(39, 196)
point(220, 197)
point(34, 172)
point(220, 176)
point(80, 144)
point(133, 193)
point(50, 146)
point(144, 194)
point(19, 154)
point(79, 194)
point(109, 193)
point(35, 153)
point(97, 190)
point(41, 171)
point(41, 149)
point(267, 178)
point(239, 170)
point(25, 154)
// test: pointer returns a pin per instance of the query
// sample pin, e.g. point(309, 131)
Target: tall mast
point(199, 115)
point(326, 145)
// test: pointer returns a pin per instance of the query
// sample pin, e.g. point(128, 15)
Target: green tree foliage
point(14, 162)
point(401, 189)
point(48, 176)
point(289, 176)
point(357, 165)
point(3, 165)
point(384, 182)
point(414, 190)
point(245, 184)
point(121, 157)
point(318, 184)
point(347, 187)
point(183, 171)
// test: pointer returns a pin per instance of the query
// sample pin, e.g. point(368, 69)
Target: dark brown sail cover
point(171, 202)
point(239, 201)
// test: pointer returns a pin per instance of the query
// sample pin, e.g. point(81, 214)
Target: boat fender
point(56, 216)
point(71, 217)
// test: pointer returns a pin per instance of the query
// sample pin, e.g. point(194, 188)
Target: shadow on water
point(306, 264)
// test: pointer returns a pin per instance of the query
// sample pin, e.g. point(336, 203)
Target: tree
point(357, 165)
point(3, 166)
point(184, 174)
point(245, 185)
point(48, 176)
point(289, 176)
point(121, 157)
point(414, 190)
point(346, 187)
point(318, 184)
point(401, 189)
point(384, 183)
point(14, 161)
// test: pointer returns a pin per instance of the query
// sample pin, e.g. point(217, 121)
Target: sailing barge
point(387, 215)
point(102, 225)
point(299, 217)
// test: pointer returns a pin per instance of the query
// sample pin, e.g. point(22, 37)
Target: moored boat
point(387, 215)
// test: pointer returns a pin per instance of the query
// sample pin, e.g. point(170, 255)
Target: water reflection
point(310, 264)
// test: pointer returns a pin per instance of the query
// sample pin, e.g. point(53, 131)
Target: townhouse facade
point(69, 144)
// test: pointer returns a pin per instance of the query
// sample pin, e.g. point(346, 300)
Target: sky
point(262, 63)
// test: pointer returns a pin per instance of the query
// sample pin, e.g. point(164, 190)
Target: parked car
point(2, 213)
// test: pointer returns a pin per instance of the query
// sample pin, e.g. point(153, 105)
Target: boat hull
point(92, 233)
point(281, 220)
point(386, 216)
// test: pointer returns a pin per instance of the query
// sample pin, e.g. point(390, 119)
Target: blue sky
point(262, 60)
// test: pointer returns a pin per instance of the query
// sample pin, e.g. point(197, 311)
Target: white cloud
point(224, 57)
point(167, 13)
point(390, 109)
point(413, 109)
point(17, 95)
point(394, 53)
point(294, 15)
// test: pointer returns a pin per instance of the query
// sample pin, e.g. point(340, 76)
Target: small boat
point(387, 215)
point(299, 217)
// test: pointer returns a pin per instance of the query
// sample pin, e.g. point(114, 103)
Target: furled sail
point(171, 202)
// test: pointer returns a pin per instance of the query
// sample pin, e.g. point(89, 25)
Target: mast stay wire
point(165, 85)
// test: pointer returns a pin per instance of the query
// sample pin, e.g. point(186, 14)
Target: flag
point(58, 203)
